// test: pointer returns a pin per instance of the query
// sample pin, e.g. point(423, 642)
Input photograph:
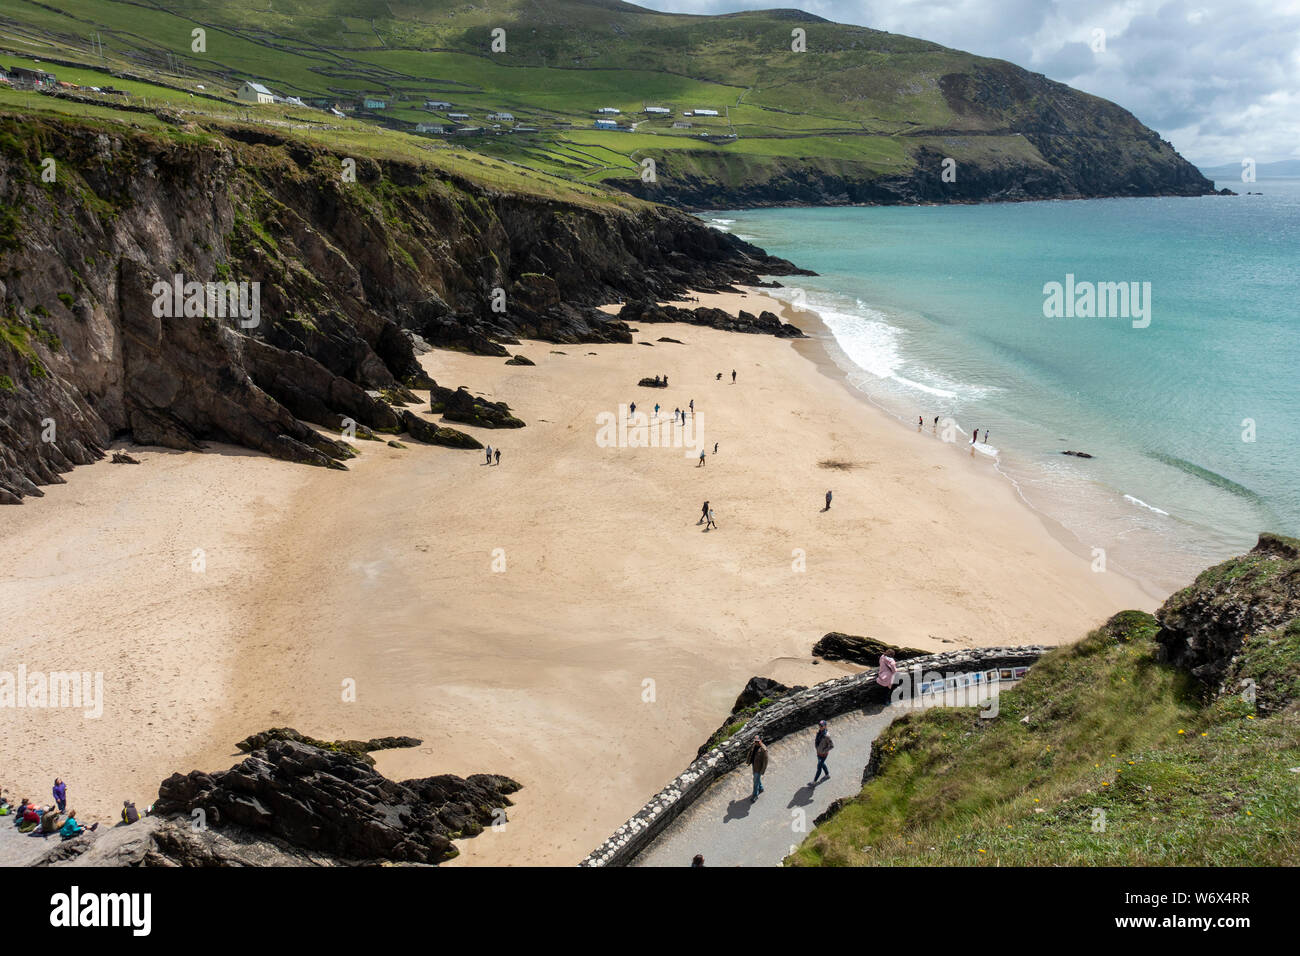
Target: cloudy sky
point(1220, 79)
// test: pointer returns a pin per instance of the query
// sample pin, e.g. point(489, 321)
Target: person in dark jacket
point(822, 745)
point(757, 761)
point(129, 813)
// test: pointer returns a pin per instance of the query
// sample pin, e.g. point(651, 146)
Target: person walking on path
point(711, 523)
point(704, 514)
point(757, 761)
point(828, 502)
point(489, 454)
point(60, 794)
point(496, 453)
point(822, 745)
point(888, 669)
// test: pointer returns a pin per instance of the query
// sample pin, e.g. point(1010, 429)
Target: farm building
point(681, 125)
point(31, 79)
point(609, 110)
point(250, 92)
point(706, 112)
point(436, 105)
point(606, 124)
point(502, 117)
point(429, 128)
point(658, 110)
point(458, 116)
point(371, 103)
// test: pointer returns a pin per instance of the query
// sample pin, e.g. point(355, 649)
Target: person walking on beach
point(496, 453)
point(757, 761)
point(704, 514)
point(692, 409)
point(733, 376)
point(920, 422)
point(711, 523)
point(489, 454)
point(822, 745)
point(719, 378)
point(60, 794)
point(701, 464)
point(986, 436)
point(715, 448)
point(631, 410)
point(656, 409)
point(677, 413)
point(828, 502)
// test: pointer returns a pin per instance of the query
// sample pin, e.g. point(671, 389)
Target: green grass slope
point(862, 115)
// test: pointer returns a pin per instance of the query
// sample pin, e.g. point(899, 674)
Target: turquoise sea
point(939, 310)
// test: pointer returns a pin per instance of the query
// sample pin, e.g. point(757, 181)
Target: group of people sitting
point(55, 817)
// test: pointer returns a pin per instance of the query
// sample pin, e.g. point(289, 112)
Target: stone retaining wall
point(787, 715)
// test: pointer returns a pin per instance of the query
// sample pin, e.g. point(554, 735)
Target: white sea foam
point(1142, 504)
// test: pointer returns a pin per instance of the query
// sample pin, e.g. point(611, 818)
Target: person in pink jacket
point(888, 668)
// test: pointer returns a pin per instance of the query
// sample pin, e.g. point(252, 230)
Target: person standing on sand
point(692, 409)
point(715, 448)
point(828, 501)
point(733, 376)
point(489, 454)
point(701, 464)
point(757, 760)
point(986, 436)
point(496, 453)
point(656, 409)
point(631, 410)
point(822, 745)
point(60, 794)
point(704, 514)
point(711, 523)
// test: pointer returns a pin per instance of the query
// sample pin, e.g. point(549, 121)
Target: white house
point(428, 128)
point(606, 124)
point(250, 92)
point(458, 116)
point(659, 110)
point(608, 109)
point(502, 117)
point(436, 105)
point(706, 112)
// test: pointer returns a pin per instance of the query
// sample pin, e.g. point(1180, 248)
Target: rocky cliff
point(347, 277)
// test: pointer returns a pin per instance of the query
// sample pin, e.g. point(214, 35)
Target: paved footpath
point(730, 831)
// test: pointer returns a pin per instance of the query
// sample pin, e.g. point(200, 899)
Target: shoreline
point(824, 350)
point(382, 577)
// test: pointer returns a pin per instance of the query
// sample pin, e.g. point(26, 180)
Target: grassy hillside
point(859, 107)
point(1103, 756)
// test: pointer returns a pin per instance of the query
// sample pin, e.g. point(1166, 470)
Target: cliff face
point(346, 278)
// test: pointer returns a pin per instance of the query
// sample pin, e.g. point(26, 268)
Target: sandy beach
point(561, 618)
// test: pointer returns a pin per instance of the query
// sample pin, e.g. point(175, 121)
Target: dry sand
point(592, 666)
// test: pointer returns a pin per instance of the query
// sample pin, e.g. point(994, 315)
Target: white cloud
point(1220, 79)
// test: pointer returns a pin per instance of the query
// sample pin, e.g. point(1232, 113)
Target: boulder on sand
point(860, 650)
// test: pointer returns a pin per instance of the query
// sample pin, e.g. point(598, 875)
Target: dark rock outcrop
point(332, 802)
point(860, 650)
point(358, 748)
point(1077, 454)
point(766, 323)
point(459, 405)
point(1203, 626)
point(758, 693)
point(520, 360)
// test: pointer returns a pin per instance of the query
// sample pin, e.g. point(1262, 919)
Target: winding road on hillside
point(730, 831)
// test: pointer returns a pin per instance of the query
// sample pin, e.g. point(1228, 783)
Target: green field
point(858, 102)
